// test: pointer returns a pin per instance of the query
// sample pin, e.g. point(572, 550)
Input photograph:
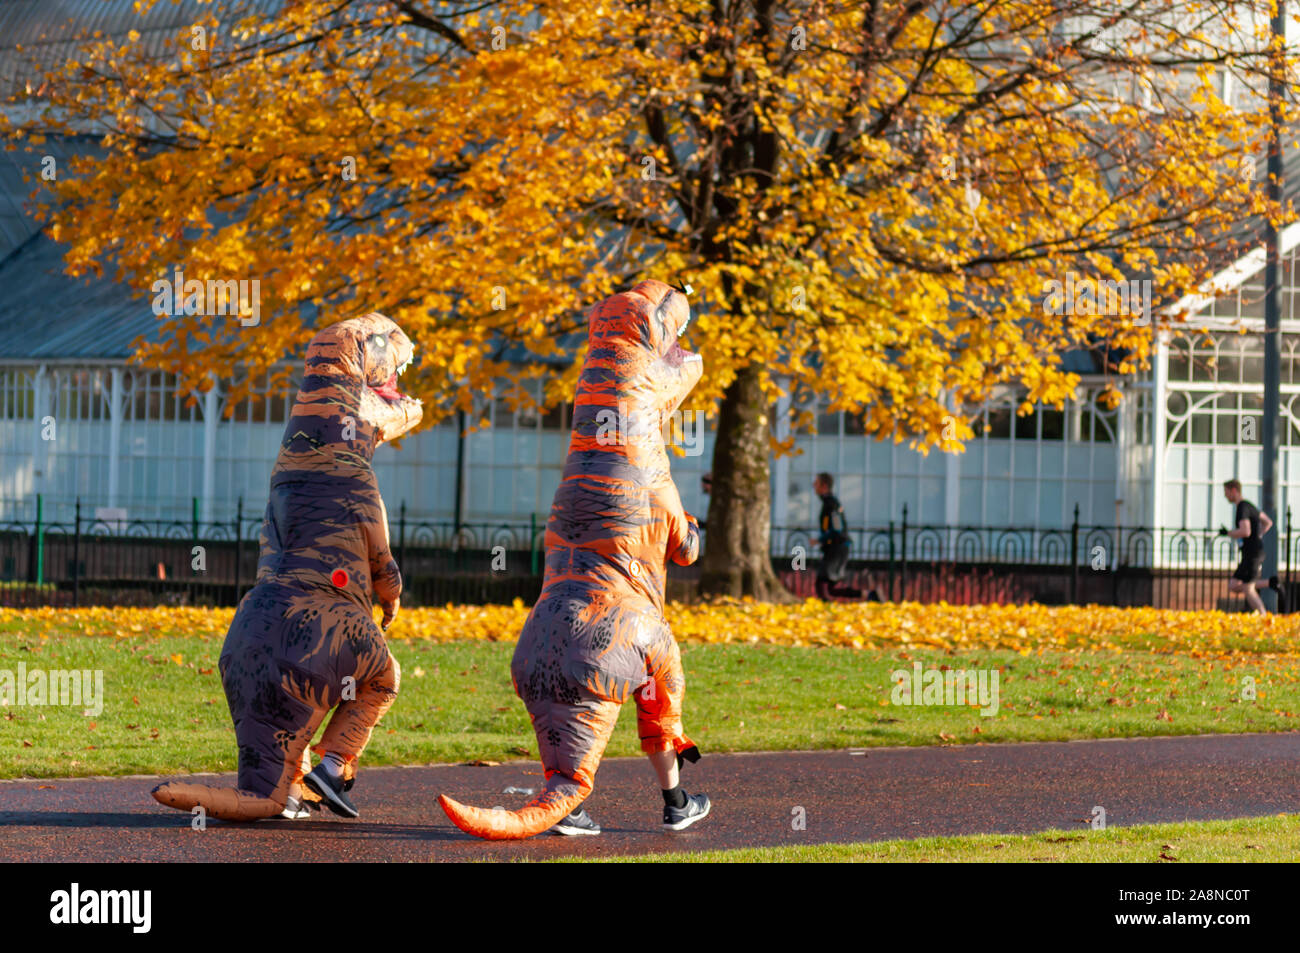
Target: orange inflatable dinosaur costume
point(597, 635)
point(304, 640)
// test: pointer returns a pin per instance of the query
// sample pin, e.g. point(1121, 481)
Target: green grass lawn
point(1252, 839)
point(165, 713)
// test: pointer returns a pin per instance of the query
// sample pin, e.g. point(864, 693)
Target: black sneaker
point(679, 818)
point(577, 823)
point(332, 792)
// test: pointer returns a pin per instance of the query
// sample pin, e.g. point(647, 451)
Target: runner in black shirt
point(1250, 527)
point(835, 544)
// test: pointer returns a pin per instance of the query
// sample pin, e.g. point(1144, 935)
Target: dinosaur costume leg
point(354, 720)
point(275, 720)
point(659, 702)
point(284, 666)
point(573, 724)
point(571, 738)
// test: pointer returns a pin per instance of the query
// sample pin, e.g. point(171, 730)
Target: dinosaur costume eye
point(379, 341)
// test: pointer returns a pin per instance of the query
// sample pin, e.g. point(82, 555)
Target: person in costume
point(304, 641)
point(597, 637)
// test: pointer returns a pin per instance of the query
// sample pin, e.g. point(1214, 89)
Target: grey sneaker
point(577, 823)
point(331, 791)
point(679, 818)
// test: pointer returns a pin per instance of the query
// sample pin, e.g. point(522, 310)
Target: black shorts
point(835, 559)
point(1250, 568)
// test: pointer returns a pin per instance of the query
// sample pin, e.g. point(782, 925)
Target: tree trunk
point(737, 560)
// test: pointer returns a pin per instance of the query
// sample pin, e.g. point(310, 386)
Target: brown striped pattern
point(303, 641)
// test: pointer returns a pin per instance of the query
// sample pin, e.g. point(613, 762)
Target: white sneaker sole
point(688, 821)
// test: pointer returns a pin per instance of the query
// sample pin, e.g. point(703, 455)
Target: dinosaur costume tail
point(239, 804)
point(571, 739)
point(227, 804)
point(538, 815)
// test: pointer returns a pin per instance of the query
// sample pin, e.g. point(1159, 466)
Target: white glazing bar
point(1123, 441)
point(951, 478)
point(781, 467)
point(210, 411)
point(39, 411)
point(115, 401)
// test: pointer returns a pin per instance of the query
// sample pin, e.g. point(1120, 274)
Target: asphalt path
point(764, 799)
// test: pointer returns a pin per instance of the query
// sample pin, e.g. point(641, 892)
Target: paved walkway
point(844, 796)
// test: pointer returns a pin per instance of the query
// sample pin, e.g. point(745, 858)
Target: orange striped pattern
point(597, 637)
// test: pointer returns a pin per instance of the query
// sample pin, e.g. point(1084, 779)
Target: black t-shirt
point(1252, 544)
point(834, 527)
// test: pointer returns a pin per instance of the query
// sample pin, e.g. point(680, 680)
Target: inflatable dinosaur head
point(633, 337)
point(372, 352)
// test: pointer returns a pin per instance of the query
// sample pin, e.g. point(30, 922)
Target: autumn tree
point(870, 198)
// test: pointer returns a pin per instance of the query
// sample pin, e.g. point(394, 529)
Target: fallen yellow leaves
point(1025, 629)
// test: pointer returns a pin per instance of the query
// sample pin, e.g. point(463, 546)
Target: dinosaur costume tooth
point(304, 640)
point(597, 637)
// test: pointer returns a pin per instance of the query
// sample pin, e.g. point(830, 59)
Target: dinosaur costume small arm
point(597, 636)
point(304, 640)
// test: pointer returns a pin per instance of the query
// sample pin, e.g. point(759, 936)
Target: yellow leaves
point(1026, 630)
point(507, 165)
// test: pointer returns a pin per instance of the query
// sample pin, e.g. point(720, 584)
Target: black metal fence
point(90, 561)
point(1182, 568)
point(93, 561)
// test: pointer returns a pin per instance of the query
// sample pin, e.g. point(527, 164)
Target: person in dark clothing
point(1250, 527)
point(835, 545)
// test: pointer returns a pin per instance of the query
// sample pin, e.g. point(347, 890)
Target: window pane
point(1229, 363)
point(828, 424)
point(1252, 368)
point(1026, 427)
point(1227, 427)
point(554, 419)
point(1179, 361)
point(1202, 428)
point(1053, 424)
point(1203, 367)
point(999, 426)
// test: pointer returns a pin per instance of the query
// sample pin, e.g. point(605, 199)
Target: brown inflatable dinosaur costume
point(597, 636)
point(304, 640)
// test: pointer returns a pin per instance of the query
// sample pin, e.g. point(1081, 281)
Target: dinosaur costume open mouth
point(388, 389)
point(678, 355)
